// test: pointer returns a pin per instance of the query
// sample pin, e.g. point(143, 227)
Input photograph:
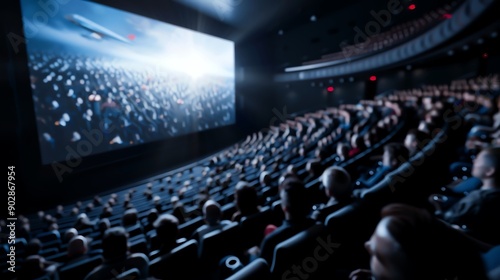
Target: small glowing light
point(373, 78)
point(330, 89)
point(412, 7)
point(447, 16)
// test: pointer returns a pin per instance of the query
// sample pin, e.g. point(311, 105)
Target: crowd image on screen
point(128, 104)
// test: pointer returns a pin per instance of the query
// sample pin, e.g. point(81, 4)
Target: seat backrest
point(134, 230)
point(297, 248)
point(219, 243)
point(79, 270)
point(492, 258)
point(258, 269)
point(45, 237)
point(180, 263)
point(252, 227)
point(186, 229)
point(139, 246)
point(132, 273)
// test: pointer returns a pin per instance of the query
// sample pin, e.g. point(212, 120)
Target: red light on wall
point(447, 16)
point(330, 89)
point(485, 55)
point(412, 7)
point(373, 78)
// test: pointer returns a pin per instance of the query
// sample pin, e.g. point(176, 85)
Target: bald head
point(337, 182)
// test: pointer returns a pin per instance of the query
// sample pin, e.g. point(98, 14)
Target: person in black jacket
point(478, 212)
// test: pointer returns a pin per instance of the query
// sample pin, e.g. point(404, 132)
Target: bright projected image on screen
point(115, 79)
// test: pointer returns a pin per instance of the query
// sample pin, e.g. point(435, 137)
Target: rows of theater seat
point(395, 35)
point(273, 150)
point(301, 148)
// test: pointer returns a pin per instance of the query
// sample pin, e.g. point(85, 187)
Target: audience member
point(117, 258)
point(394, 155)
point(296, 209)
point(337, 184)
point(409, 243)
point(246, 200)
point(167, 231)
point(478, 211)
point(213, 218)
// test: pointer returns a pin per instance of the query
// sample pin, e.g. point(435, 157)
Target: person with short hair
point(77, 249)
point(167, 230)
point(395, 154)
point(213, 219)
point(296, 210)
point(337, 184)
point(479, 211)
point(246, 200)
point(116, 257)
point(408, 243)
point(414, 141)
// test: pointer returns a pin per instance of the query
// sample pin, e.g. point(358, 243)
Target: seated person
point(296, 210)
point(478, 211)
point(357, 144)
point(342, 152)
point(414, 141)
point(409, 243)
point(267, 190)
point(246, 200)
point(179, 211)
point(35, 266)
point(314, 169)
point(83, 222)
point(167, 230)
point(130, 218)
point(337, 184)
point(151, 218)
point(116, 257)
point(69, 234)
point(77, 249)
point(394, 155)
point(212, 215)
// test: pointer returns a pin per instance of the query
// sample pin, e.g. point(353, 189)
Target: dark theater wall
point(428, 74)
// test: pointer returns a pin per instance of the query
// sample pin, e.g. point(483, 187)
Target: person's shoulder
point(491, 195)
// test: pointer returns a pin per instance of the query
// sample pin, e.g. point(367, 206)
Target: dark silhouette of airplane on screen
point(97, 31)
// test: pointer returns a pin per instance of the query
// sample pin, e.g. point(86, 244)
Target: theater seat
point(187, 228)
point(258, 269)
point(217, 244)
point(130, 274)
point(79, 270)
point(139, 245)
point(252, 227)
point(181, 263)
point(300, 247)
